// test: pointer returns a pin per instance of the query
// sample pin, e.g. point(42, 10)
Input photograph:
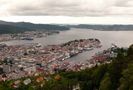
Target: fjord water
point(120, 38)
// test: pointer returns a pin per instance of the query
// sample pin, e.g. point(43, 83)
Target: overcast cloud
point(66, 7)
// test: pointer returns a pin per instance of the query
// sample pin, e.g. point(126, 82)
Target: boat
point(38, 45)
point(88, 49)
point(27, 38)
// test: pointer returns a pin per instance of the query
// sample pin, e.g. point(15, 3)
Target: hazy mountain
point(5, 29)
point(3, 22)
point(11, 27)
point(16, 27)
point(104, 27)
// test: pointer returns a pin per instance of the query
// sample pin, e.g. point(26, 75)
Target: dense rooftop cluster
point(26, 60)
point(27, 35)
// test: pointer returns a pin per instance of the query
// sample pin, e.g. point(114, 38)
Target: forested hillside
point(11, 27)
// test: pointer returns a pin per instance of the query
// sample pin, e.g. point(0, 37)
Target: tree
point(106, 83)
point(126, 82)
point(130, 51)
point(98, 74)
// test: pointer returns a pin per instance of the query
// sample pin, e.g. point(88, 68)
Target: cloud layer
point(66, 7)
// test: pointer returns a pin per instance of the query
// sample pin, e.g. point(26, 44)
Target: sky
point(68, 11)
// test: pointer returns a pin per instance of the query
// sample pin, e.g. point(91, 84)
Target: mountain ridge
point(18, 27)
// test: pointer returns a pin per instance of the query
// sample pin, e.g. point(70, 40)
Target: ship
point(27, 38)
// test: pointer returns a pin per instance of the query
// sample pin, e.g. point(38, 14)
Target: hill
point(11, 27)
point(5, 29)
point(104, 27)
